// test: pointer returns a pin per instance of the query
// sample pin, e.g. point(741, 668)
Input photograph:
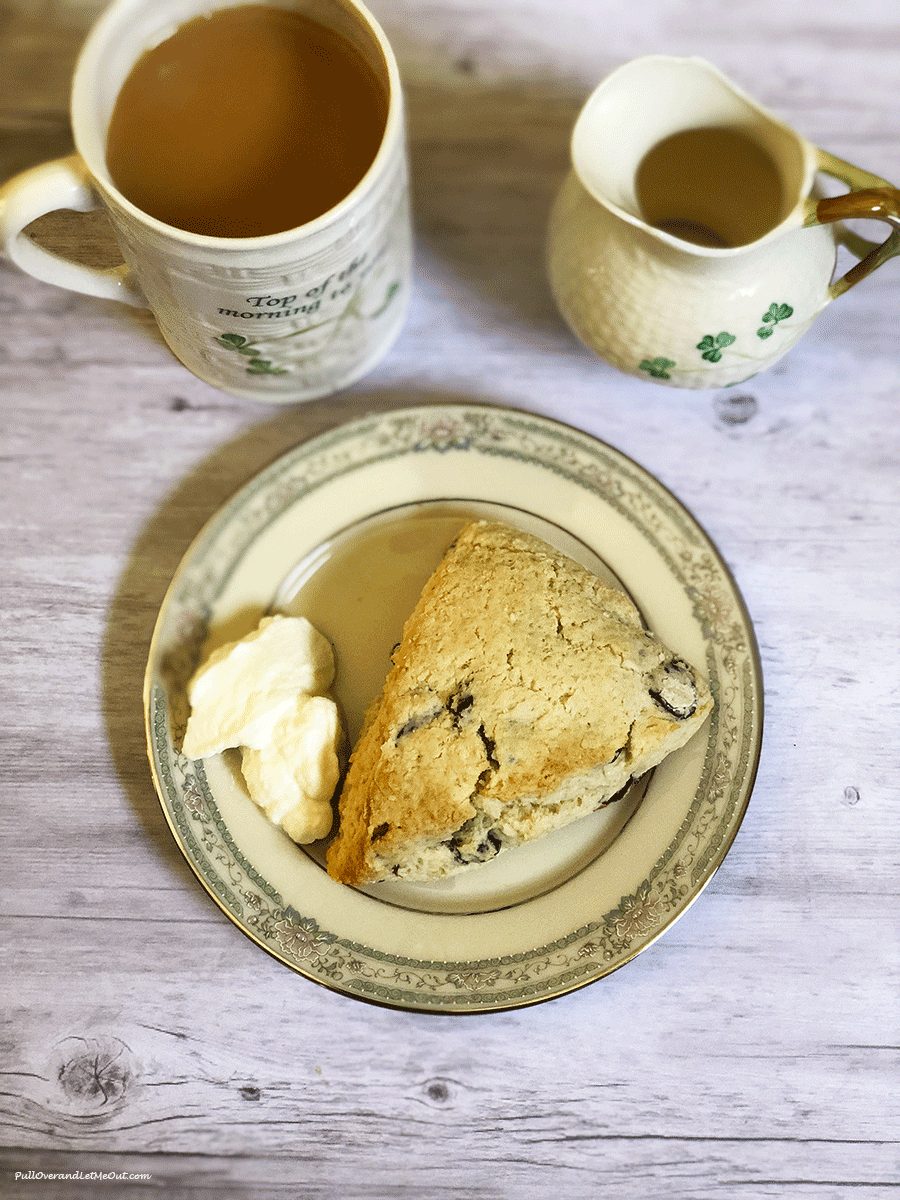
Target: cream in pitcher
point(685, 245)
point(252, 160)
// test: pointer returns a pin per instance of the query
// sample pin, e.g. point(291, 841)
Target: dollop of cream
point(294, 777)
point(245, 687)
point(263, 694)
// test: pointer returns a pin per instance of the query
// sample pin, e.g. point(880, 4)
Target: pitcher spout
point(652, 99)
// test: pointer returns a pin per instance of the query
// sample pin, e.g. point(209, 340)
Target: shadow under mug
point(280, 318)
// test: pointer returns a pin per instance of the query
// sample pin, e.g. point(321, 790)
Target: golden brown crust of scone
point(517, 670)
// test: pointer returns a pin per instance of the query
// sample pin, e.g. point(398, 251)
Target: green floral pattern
point(257, 365)
point(658, 367)
point(581, 955)
point(771, 317)
point(712, 345)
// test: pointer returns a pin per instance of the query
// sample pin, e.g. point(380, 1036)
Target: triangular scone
point(524, 694)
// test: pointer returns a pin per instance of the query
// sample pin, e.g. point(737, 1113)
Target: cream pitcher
point(687, 245)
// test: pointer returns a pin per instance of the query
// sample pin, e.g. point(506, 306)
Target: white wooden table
point(750, 1053)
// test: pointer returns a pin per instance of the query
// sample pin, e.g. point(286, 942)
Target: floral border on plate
point(595, 948)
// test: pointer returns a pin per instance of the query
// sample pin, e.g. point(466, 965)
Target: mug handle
point(869, 196)
point(63, 183)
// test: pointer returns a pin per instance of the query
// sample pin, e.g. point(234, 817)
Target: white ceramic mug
point(280, 318)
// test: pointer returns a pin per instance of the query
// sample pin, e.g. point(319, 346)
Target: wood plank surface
point(752, 1053)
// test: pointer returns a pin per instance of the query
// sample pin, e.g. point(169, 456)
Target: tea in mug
point(713, 186)
point(249, 121)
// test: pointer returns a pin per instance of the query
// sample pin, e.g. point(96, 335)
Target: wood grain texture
point(753, 1052)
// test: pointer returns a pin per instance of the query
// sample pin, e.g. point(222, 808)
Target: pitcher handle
point(869, 196)
point(64, 183)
